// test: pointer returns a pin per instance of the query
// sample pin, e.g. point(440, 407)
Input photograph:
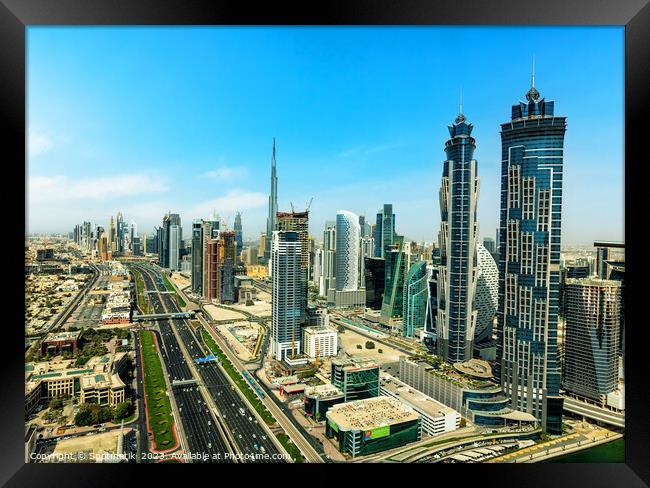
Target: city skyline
point(380, 141)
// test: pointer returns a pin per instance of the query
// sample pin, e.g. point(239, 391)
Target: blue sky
point(146, 120)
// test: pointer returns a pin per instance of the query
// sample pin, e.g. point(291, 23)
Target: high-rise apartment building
point(396, 268)
point(458, 239)
point(197, 257)
point(529, 259)
point(347, 251)
point(328, 275)
point(375, 279)
point(592, 320)
point(286, 295)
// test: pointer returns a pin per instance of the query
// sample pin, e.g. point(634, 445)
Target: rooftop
point(414, 398)
point(357, 362)
point(62, 336)
point(327, 390)
point(371, 413)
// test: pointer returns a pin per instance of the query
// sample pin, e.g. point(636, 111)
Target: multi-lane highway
point(205, 442)
point(251, 440)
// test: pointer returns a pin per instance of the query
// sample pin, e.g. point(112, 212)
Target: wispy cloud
point(226, 173)
point(39, 142)
point(234, 200)
point(60, 188)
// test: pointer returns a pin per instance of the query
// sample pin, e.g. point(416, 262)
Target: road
point(250, 437)
point(198, 424)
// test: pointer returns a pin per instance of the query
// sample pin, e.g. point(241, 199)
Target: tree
point(56, 403)
point(122, 410)
point(341, 329)
point(370, 345)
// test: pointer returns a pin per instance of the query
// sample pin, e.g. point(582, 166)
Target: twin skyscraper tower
point(532, 151)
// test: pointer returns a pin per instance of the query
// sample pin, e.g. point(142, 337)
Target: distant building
point(60, 342)
point(396, 266)
point(384, 230)
point(328, 274)
point(239, 240)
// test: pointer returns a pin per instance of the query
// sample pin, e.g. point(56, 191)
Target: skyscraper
point(239, 240)
point(529, 259)
point(458, 239)
point(593, 311)
point(366, 250)
point(396, 268)
point(227, 266)
point(298, 222)
point(375, 276)
point(384, 230)
point(169, 253)
point(328, 273)
point(487, 294)
point(415, 298)
point(286, 297)
point(197, 256)
point(271, 221)
point(347, 251)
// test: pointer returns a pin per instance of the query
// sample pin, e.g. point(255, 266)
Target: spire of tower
point(460, 118)
point(533, 74)
point(273, 162)
point(460, 109)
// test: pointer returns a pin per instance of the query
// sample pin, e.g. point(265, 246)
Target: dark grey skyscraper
point(197, 256)
point(458, 240)
point(271, 220)
point(532, 152)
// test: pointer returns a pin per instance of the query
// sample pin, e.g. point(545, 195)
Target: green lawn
point(291, 448)
point(139, 283)
point(159, 409)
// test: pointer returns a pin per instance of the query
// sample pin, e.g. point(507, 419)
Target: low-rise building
point(60, 342)
point(320, 342)
point(99, 381)
point(357, 377)
point(372, 425)
point(320, 398)
point(436, 417)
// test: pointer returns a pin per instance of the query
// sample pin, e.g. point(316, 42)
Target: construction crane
point(309, 204)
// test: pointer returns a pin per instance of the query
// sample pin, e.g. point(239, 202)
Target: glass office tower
point(458, 239)
point(529, 259)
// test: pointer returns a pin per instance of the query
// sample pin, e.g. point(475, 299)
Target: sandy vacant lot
point(349, 341)
point(223, 314)
point(260, 309)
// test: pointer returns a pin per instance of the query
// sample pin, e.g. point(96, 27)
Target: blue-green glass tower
point(532, 148)
point(416, 290)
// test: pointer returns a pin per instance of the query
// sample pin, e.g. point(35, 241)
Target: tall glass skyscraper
point(239, 239)
point(529, 259)
point(416, 291)
point(286, 294)
point(458, 239)
point(384, 230)
point(347, 251)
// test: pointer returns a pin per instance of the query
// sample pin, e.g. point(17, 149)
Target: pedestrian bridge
point(184, 382)
point(158, 316)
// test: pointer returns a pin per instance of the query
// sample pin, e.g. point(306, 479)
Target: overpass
point(157, 316)
point(594, 412)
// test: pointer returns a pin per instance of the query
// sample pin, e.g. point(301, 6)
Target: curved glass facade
point(348, 234)
point(458, 236)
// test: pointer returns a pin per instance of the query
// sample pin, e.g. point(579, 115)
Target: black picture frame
point(16, 15)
